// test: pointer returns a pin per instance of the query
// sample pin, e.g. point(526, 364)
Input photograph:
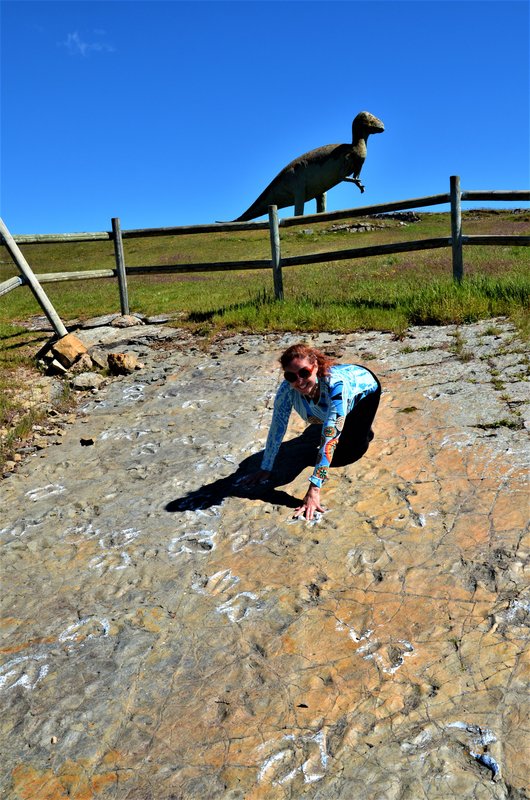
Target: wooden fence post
point(120, 265)
point(33, 282)
point(456, 228)
point(276, 252)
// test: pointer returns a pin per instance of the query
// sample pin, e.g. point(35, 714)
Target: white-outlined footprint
point(87, 628)
point(200, 542)
point(240, 606)
point(294, 755)
point(42, 492)
point(25, 671)
point(218, 583)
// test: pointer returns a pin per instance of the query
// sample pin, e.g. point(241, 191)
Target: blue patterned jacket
point(340, 391)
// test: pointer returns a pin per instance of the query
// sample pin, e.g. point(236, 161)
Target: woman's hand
point(311, 503)
point(255, 478)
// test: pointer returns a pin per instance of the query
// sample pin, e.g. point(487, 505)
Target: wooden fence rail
point(285, 222)
point(457, 240)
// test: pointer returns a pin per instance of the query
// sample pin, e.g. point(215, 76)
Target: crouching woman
point(343, 398)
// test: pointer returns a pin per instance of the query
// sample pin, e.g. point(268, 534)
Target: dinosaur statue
point(313, 173)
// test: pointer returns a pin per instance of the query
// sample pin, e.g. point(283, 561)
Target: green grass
point(387, 293)
point(379, 293)
point(393, 306)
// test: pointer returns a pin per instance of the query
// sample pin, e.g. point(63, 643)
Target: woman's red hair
point(313, 355)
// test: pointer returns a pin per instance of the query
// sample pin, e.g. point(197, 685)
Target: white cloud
point(77, 47)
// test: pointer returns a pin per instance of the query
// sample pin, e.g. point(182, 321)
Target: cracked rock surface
point(166, 635)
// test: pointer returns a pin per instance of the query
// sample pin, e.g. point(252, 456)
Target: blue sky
point(176, 113)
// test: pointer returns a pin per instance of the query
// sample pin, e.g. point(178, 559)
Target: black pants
point(357, 431)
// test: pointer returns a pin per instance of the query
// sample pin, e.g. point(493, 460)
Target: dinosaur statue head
point(364, 124)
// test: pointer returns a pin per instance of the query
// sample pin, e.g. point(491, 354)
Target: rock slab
point(166, 635)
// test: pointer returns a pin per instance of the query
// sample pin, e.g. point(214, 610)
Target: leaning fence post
point(276, 252)
point(33, 282)
point(120, 265)
point(456, 228)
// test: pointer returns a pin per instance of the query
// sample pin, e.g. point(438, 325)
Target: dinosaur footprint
point(243, 538)
point(240, 606)
point(87, 628)
point(112, 556)
point(119, 538)
point(106, 562)
point(390, 656)
point(146, 449)
point(25, 671)
point(218, 583)
point(134, 393)
point(42, 492)
point(304, 755)
point(222, 584)
point(200, 542)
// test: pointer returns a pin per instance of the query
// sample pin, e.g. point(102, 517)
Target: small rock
point(126, 321)
point(68, 349)
point(87, 380)
point(87, 441)
point(53, 740)
point(122, 363)
point(98, 357)
point(83, 364)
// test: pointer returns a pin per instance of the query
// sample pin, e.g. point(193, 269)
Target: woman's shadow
point(293, 457)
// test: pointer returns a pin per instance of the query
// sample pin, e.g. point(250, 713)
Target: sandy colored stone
point(83, 364)
point(122, 363)
point(126, 321)
point(68, 349)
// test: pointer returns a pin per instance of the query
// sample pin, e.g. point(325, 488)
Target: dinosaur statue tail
point(246, 217)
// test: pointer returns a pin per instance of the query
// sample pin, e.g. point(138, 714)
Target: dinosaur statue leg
point(299, 201)
point(321, 203)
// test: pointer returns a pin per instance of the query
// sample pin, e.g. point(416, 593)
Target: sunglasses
point(302, 373)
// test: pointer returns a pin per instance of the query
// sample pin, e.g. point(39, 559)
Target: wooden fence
point(456, 241)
